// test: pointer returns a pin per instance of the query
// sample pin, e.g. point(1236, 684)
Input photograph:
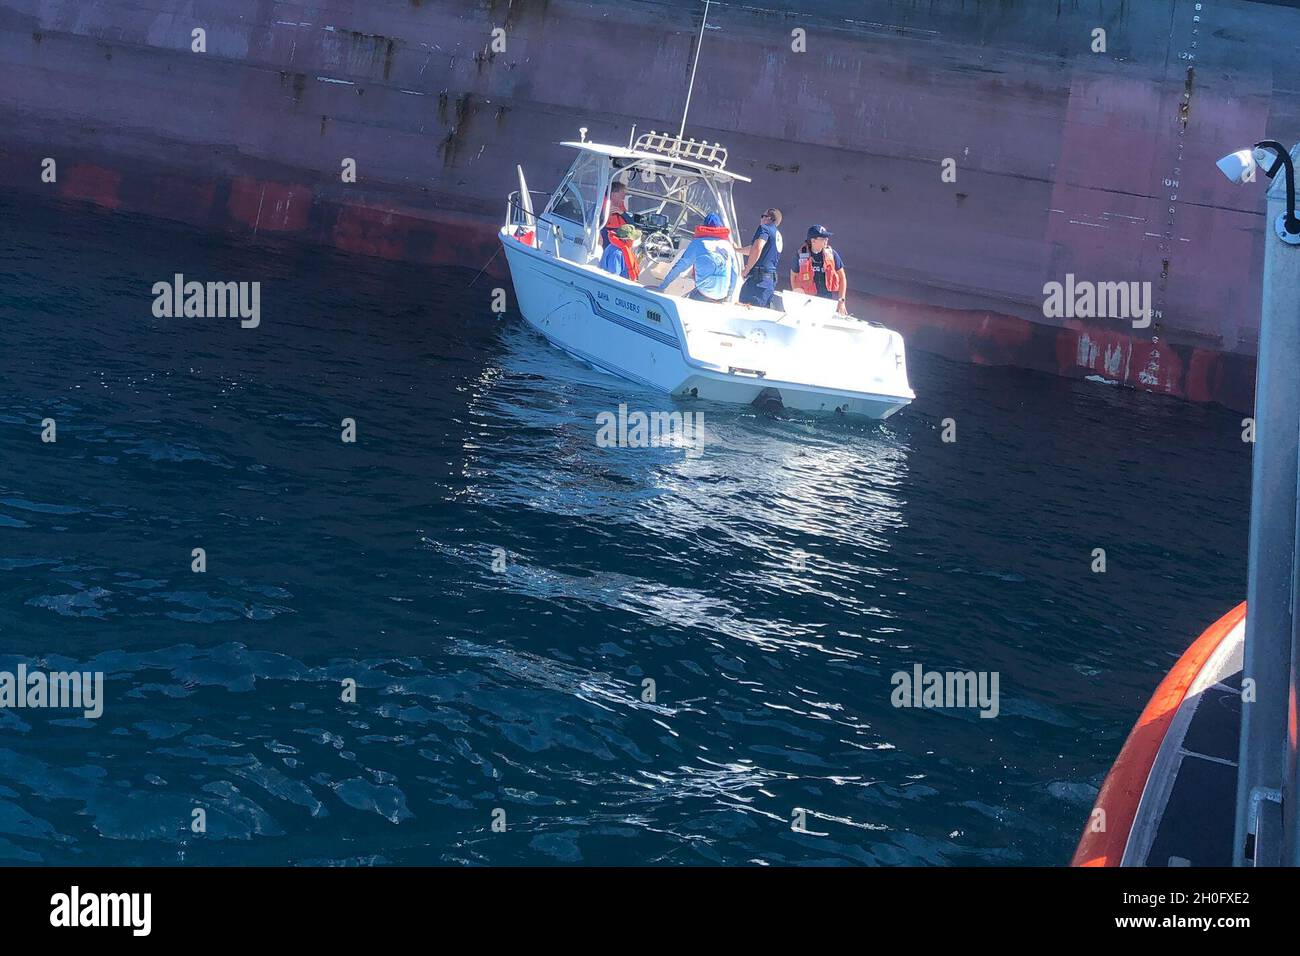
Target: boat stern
point(807, 358)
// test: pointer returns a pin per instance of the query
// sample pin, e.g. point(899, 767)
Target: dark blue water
point(522, 689)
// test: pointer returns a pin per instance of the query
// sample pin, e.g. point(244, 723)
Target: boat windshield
point(683, 196)
point(666, 200)
point(581, 197)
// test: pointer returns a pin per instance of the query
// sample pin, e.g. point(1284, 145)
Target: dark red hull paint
point(244, 205)
point(436, 237)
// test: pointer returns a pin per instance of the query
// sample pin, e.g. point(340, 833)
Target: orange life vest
point(629, 257)
point(804, 282)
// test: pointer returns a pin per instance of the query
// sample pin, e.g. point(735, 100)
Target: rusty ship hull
point(1068, 160)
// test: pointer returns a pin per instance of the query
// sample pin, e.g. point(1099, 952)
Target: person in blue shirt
point(620, 252)
point(711, 257)
point(763, 255)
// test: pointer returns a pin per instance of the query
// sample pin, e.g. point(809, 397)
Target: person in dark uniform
point(819, 270)
point(762, 256)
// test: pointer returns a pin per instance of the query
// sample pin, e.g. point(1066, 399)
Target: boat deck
point(1194, 825)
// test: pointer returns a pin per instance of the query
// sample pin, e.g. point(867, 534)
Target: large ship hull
point(1068, 162)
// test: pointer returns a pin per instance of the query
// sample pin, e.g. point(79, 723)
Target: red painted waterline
point(1122, 790)
point(439, 236)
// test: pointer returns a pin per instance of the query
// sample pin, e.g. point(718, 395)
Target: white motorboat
point(803, 356)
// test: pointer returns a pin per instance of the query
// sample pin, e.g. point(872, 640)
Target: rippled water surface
point(768, 586)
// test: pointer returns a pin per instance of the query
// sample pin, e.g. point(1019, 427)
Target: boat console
point(648, 221)
point(657, 241)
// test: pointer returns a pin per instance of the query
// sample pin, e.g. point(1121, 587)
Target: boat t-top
point(803, 356)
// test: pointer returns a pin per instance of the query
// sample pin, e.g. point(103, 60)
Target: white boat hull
point(805, 359)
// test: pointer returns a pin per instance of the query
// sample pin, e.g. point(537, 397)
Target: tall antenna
point(694, 66)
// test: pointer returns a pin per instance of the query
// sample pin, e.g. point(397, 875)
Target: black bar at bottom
point(214, 906)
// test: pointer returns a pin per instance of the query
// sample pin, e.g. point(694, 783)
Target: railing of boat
point(521, 221)
point(517, 215)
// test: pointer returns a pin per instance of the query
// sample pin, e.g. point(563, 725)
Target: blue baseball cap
point(713, 219)
point(819, 232)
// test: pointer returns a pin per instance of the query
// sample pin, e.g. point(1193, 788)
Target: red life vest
point(614, 220)
point(712, 232)
point(804, 281)
point(629, 257)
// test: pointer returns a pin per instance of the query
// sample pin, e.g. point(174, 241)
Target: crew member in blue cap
point(763, 254)
point(711, 257)
point(819, 269)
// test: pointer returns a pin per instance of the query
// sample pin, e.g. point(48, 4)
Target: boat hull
point(678, 347)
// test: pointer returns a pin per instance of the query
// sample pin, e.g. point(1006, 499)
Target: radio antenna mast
point(694, 66)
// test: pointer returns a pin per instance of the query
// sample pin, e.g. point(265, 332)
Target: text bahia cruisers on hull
point(806, 358)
